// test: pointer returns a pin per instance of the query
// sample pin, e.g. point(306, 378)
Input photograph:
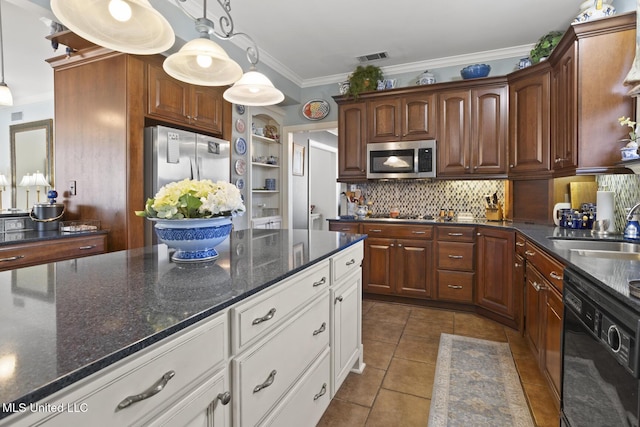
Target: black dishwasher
point(600, 357)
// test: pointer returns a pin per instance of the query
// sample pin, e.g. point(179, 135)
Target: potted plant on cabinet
point(364, 79)
point(544, 46)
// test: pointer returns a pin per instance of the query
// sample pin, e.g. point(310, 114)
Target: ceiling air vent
point(373, 57)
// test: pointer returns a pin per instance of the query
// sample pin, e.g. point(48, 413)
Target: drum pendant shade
point(145, 32)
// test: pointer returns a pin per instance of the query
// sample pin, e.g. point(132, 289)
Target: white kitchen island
point(264, 335)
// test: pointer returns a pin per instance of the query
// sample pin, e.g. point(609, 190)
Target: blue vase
point(194, 239)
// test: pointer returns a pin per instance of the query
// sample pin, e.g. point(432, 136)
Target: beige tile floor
point(400, 351)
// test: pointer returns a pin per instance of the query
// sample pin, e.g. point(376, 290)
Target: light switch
point(72, 188)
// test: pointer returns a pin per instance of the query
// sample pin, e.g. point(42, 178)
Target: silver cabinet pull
point(84, 248)
point(454, 286)
point(521, 244)
point(155, 388)
point(375, 230)
point(555, 275)
point(267, 383)
point(12, 258)
point(418, 232)
point(322, 328)
point(517, 265)
point(264, 318)
point(529, 253)
point(320, 282)
point(456, 256)
point(538, 287)
point(338, 299)
point(322, 392)
point(350, 262)
point(224, 398)
point(454, 234)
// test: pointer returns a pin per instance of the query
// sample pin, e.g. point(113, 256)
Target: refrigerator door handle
point(192, 171)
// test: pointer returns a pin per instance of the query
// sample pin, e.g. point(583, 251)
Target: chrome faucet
point(632, 229)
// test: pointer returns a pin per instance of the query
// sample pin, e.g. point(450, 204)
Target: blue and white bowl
point(475, 71)
point(194, 239)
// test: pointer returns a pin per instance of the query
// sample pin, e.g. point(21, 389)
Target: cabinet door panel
point(413, 260)
point(207, 108)
point(453, 130)
point(553, 341)
point(377, 266)
point(419, 117)
point(166, 97)
point(384, 120)
point(529, 124)
point(495, 260)
point(564, 141)
point(533, 301)
point(489, 139)
point(352, 127)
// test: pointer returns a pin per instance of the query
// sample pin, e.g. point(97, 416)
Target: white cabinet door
point(346, 328)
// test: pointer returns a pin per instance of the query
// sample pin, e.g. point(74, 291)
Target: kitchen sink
point(600, 248)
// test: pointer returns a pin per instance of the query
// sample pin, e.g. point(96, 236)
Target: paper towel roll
point(604, 203)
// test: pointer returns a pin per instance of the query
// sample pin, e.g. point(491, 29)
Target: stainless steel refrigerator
point(175, 154)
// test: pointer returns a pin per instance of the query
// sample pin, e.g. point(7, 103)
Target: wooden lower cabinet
point(494, 289)
point(398, 266)
point(533, 304)
point(345, 227)
point(553, 340)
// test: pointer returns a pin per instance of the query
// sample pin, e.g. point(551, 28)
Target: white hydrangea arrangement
point(194, 199)
point(632, 141)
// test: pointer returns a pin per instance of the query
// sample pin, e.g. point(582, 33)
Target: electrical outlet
point(353, 187)
point(72, 188)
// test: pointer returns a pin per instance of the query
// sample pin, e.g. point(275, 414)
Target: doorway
point(317, 184)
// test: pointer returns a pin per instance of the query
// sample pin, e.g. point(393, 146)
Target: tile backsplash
point(627, 194)
point(424, 197)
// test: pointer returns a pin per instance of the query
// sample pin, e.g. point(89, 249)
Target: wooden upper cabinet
point(472, 131)
point(529, 116)
point(352, 153)
point(564, 138)
point(405, 118)
point(589, 95)
point(168, 99)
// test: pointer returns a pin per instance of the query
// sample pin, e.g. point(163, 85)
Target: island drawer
point(398, 231)
point(266, 371)
point(32, 253)
point(455, 255)
point(456, 234)
point(345, 227)
point(193, 357)
point(310, 396)
point(455, 286)
point(259, 315)
point(550, 269)
point(347, 261)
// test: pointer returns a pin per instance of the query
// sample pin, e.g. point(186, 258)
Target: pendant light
point(202, 61)
point(192, 66)
point(5, 94)
point(129, 26)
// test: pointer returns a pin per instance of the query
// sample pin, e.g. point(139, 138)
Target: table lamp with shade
point(3, 187)
point(27, 181)
point(39, 180)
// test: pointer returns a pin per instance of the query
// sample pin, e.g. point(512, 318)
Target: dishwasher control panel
point(619, 341)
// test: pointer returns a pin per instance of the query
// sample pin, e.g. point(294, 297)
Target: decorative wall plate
point(241, 146)
point(316, 109)
point(240, 126)
point(240, 183)
point(240, 167)
point(240, 109)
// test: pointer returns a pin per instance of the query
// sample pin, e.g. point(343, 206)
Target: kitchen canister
point(270, 184)
point(47, 215)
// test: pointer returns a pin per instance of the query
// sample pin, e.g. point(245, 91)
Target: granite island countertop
point(63, 321)
point(610, 275)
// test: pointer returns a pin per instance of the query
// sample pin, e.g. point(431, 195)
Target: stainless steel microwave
point(403, 159)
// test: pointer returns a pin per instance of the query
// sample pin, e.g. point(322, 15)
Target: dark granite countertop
point(611, 275)
point(29, 236)
point(62, 321)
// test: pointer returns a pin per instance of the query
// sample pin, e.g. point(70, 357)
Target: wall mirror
point(31, 152)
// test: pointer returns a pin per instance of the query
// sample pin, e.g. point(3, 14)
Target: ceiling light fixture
point(204, 62)
point(5, 93)
point(129, 26)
